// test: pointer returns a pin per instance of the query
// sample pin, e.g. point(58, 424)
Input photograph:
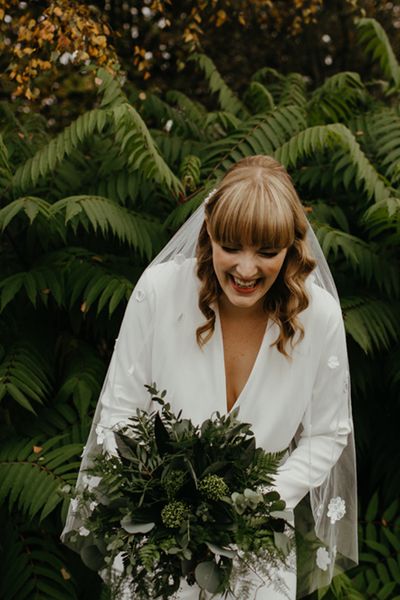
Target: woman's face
point(246, 273)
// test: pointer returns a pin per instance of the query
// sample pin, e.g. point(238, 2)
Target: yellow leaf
point(221, 18)
point(57, 11)
point(2, 13)
point(65, 574)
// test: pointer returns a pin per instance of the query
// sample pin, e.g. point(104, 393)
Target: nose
point(246, 266)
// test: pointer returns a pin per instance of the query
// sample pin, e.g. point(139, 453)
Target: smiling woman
point(228, 315)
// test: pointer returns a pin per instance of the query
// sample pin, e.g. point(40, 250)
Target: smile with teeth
point(244, 284)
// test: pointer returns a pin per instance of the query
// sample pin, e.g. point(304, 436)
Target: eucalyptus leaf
point(131, 527)
point(208, 576)
point(221, 551)
point(282, 514)
point(282, 542)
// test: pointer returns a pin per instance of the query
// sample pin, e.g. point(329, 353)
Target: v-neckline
point(222, 370)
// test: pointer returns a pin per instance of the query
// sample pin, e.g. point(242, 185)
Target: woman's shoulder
point(171, 277)
point(323, 306)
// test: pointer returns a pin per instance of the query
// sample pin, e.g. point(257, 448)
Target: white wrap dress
point(157, 343)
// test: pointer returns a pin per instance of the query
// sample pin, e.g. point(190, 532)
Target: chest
point(241, 345)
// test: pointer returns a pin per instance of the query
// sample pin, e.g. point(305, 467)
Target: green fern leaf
point(34, 481)
point(47, 158)
point(372, 323)
point(258, 98)
point(375, 41)
point(228, 101)
point(24, 376)
point(32, 565)
point(135, 141)
point(102, 213)
point(320, 138)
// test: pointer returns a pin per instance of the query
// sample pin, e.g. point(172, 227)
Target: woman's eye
point(269, 253)
point(229, 249)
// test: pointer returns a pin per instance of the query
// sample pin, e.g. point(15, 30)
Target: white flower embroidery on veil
point(336, 509)
point(323, 558)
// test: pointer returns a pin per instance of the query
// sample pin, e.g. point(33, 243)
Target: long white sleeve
point(326, 422)
point(130, 367)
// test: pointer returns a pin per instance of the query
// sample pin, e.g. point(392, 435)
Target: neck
point(230, 311)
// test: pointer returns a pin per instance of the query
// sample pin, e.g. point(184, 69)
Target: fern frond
point(82, 375)
point(31, 473)
point(258, 98)
point(31, 206)
point(189, 172)
point(154, 109)
point(183, 211)
point(64, 144)
point(383, 219)
point(259, 135)
point(194, 110)
point(378, 575)
point(135, 141)
point(375, 41)
point(384, 130)
point(320, 138)
point(293, 91)
point(38, 283)
point(372, 323)
point(123, 187)
point(110, 89)
point(272, 80)
point(228, 101)
point(32, 565)
point(5, 168)
point(336, 99)
point(365, 259)
point(219, 123)
point(109, 218)
point(24, 376)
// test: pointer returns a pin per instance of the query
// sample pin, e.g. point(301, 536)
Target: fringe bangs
point(252, 216)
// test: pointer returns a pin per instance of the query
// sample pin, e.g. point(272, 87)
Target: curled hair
point(256, 204)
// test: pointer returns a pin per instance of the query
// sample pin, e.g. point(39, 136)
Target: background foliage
point(85, 209)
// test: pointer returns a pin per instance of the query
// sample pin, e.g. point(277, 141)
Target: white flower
point(168, 125)
point(100, 434)
point(93, 505)
point(333, 362)
point(323, 559)
point(336, 509)
point(83, 531)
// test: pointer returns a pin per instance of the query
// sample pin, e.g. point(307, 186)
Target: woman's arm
point(130, 367)
point(327, 421)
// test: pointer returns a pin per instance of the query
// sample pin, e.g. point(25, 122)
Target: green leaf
point(208, 576)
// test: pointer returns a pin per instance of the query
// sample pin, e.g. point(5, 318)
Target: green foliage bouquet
point(183, 501)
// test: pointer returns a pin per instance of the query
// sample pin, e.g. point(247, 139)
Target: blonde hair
point(256, 204)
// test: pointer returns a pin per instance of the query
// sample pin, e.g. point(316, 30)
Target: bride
point(240, 310)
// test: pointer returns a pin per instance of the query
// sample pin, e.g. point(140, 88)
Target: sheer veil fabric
point(326, 519)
